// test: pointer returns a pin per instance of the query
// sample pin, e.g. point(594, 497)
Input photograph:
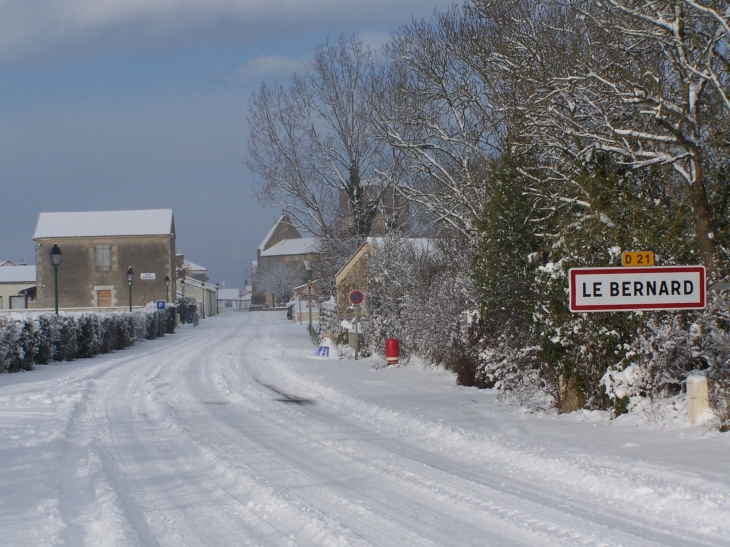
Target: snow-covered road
point(233, 434)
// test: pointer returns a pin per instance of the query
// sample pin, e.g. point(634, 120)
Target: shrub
point(31, 339)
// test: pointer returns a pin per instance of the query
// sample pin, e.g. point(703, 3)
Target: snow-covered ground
point(231, 433)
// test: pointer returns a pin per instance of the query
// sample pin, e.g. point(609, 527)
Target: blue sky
point(135, 104)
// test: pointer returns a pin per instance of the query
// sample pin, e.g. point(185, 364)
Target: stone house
point(185, 268)
point(354, 274)
point(97, 249)
point(282, 244)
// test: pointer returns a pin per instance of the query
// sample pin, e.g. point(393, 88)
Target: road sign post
point(356, 298)
point(309, 292)
point(637, 289)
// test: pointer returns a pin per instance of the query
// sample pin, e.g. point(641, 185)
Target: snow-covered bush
point(39, 338)
point(667, 348)
point(330, 321)
point(417, 291)
point(186, 307)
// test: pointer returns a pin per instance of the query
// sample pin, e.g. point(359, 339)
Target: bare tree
point(278, 278)
point(312, 147)
point(431, 105)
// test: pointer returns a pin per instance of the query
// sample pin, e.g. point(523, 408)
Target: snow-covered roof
point(151, 222)
point(193, 267)
point(267, 237)
point(299, 246)
point(190, 281)
point(6, 263)
point(18, 274)
point(228, 294)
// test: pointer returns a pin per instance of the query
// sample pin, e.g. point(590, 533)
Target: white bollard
point(697, 397)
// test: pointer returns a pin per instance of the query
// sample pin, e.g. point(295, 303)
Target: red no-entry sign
point(637, 289)
point(356, 297)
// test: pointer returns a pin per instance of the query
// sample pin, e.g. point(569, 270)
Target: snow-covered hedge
point(667, 349)
point(39, 338)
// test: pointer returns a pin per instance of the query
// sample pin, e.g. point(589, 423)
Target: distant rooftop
point(150, 222)
point(267, 237)
point(300, 246)
point(228, 294)
point(193, 267)
point(18, 274)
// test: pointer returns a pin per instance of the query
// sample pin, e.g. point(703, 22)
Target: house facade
point(204, 294)
point(186, 268)
point(354, 274)
point(17, 286)
point(282, 245)
point(97, 249)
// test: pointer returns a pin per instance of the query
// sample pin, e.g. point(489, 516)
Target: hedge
point(39, 338)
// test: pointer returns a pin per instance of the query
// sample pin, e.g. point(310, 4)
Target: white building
point(17, 286)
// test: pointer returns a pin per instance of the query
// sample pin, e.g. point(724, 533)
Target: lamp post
point(167, 289)
point(56, 261)
point(202, 296)
point(217, 304)
point(130, 278)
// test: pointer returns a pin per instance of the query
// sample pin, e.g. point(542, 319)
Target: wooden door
point(104, 298)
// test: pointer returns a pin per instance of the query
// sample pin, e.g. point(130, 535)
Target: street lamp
point(202, 296)
point(217, 304)
point(167, 288)
point(56, 261)
point(130, 278)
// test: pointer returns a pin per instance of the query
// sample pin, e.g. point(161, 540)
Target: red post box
point(391, 351)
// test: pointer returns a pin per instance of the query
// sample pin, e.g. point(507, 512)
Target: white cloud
point(46, 28)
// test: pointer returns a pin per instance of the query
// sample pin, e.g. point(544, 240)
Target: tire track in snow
point(559, 533)
point(626, 496)
point(183, 447)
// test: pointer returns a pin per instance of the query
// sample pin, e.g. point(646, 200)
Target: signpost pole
point(357, 335)
point(356, 298)
point(300, 309)
point(309, 305)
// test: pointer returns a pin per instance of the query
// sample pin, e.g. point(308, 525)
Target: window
point(1, 302)
point(103, 258)
point(104, 298)
point(17, 302)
